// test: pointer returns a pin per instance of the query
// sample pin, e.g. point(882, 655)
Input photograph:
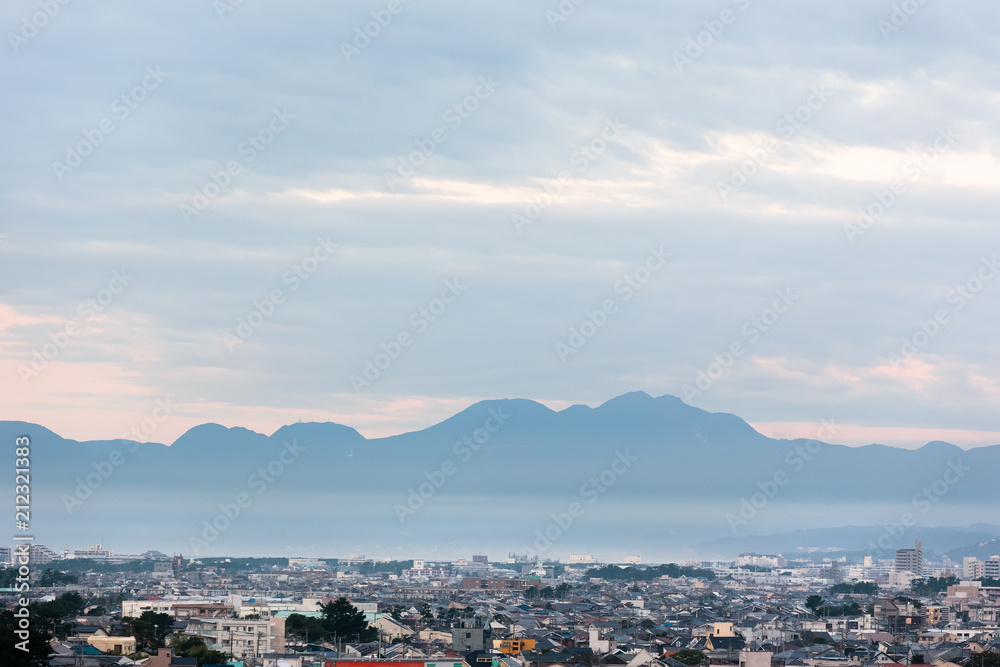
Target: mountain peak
point(218, 432)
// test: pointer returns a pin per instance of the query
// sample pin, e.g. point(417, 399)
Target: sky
point(378, 213)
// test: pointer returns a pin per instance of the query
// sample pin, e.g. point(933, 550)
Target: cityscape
point(531, 333)
point(761, 610)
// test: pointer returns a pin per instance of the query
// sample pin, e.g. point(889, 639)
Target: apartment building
point(911, 560)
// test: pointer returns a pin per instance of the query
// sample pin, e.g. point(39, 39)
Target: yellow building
point(118, 645)
point(513, 646)
point(723, 630)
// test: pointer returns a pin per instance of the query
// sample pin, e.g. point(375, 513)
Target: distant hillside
point(649, 475)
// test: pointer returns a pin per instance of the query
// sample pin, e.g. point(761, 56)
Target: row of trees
point(548, 593)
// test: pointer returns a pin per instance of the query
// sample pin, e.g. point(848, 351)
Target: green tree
point(985, 659)
point(151, 629)
point(932, 585)
point(305, 628)
point(426, 611)
point(813, 602)
point(344, 620)
point(188, 646)
point(690, 657)
point(67, 604)
point(37, 642)
point(396, 612)
point(859, 588)
point(52, 577)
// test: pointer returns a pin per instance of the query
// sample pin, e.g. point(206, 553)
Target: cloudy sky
point(378, 213)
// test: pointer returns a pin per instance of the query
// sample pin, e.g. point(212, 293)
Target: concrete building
point(241, 638)
point(95, 552)
point(39, 554)
point(972, 568)
point(464, 640)
point(911, 560)
point(755, 658)
point(761, 560)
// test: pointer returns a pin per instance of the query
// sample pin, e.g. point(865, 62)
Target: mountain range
point(635, 475)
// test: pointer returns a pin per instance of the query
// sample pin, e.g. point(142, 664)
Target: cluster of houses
point(539, 615)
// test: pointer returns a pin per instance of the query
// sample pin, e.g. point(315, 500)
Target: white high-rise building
point(911, 560)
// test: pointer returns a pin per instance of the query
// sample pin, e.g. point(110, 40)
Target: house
point(107, 644)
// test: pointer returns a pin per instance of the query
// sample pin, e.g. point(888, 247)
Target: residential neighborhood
point(760, 610)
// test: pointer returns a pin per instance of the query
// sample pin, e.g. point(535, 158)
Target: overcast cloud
point(212, 154)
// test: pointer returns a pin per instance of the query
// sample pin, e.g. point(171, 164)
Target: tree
point(562, 589)
point(151, 629)
point(426, 611)
point(859, 588)
point(52, 577)
point(194, 647)
point(343, 619)
point(932, 585)
point(690, 657)
point(450, 616)
point(396, 612)
point(37, 642)
point(986, 659)
point(813, 602)
point(305, 627)
point(918, 659)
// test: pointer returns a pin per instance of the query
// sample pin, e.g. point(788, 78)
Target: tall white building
point(911, 560)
